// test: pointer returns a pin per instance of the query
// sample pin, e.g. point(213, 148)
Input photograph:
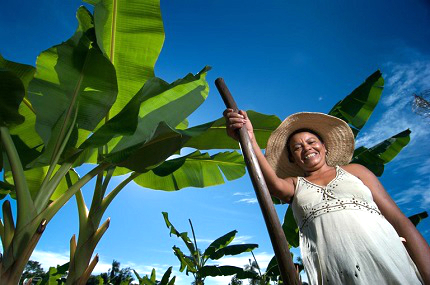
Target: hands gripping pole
point(277, 236)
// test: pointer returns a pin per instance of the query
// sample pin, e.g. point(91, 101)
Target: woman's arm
point(280, 188)
point(416, 245)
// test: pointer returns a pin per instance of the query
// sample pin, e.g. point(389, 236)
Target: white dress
point(344, 239)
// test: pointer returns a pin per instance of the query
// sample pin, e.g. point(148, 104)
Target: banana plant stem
point(57, 204)
point(26, 209)
point(108, 199)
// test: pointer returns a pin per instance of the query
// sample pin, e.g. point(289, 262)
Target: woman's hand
point(235, 121)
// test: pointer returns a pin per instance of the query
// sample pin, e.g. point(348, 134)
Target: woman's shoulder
point(358, 170)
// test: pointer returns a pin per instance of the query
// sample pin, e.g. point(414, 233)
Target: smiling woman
point(349, 226)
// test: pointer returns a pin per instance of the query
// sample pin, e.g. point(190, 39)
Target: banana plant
point(94, 99)
point(196, 261)
point(152, 279)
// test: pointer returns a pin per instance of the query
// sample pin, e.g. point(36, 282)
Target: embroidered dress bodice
point(344, 238)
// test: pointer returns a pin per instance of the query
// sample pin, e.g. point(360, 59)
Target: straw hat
point(336, 134)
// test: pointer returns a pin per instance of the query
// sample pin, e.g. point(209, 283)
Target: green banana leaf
point(290, 228)
point(194, 170)
point(12, 91)
point(144, 122)
point(26, 130)
point(417, 218)
point(73, 77)
point(273, 269)
point(226, 270)
point(183, 236)
point(233, 250)
point(356, 108)
point(216, 138)
point(169, 103)
point(186, 261)
point(141, 157)
point(55, 273)
point(219, 243)
point(376, 157)
point(130, 33)
point(166, 276)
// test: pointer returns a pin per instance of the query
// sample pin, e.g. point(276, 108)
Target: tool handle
point(225, 94)
point(274, 228)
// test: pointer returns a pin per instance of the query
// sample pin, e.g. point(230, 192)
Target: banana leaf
point(130, 33)
point(26, 130)
point(186, 261)
point(356, 108)
point(12, 91)
point(290, 228)
point(73, 77)
point(166, 276)
point(194, 170)
point(417, 218)
point(233, 250)
point(376, 157)
point(219, 243)
point(216, 138)
point(183, 236)
point(54, 274)
point(226, 270)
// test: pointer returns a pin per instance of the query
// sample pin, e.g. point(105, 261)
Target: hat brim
point(335, 133)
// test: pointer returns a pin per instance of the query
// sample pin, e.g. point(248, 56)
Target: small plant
point(152, 280)
point(196, 261)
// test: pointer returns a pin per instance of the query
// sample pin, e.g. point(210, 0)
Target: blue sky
point(279, 57)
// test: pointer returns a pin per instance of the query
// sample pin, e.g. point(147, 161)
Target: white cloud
point(50, 259)
point(402, 81)
point(242, 194)
point(418, 192)
point(248, 200)
point(424, 169)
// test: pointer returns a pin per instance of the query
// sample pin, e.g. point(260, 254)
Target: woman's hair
point(290, 155)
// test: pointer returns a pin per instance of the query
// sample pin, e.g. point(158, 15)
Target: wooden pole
point(277, 236)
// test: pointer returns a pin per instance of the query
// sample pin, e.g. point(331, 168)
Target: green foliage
point(417, 218)
point(32, 269)
point(152, 280)
point(56, 275)
point(196, 261)
point(356, 108)
point(94, 99)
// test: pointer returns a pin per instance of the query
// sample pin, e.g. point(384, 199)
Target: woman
point(349, 226)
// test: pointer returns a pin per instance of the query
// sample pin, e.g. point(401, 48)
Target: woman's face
point(307, 150)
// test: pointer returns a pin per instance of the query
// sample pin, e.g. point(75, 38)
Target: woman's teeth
point(310, 155)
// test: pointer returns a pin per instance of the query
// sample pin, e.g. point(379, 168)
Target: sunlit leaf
point(130, 33)
point(219, 243)
point(214, 270)
point(216, 138)
point(233, 250)
point(356, 108)
point(73, 75)
point(376, 157)
point(183, 236)
point(194, 170)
